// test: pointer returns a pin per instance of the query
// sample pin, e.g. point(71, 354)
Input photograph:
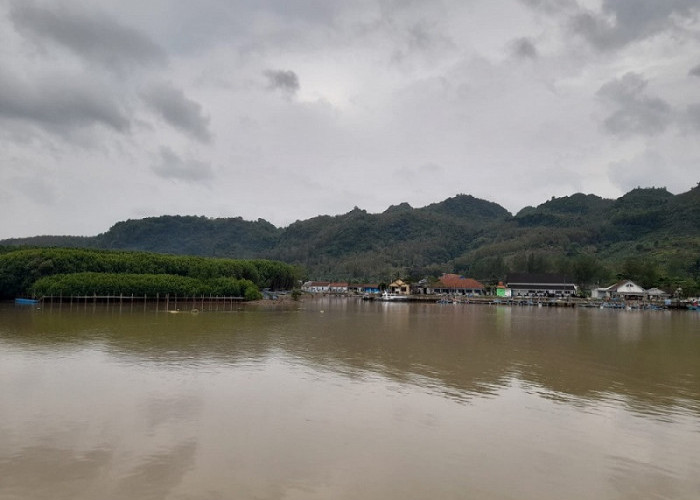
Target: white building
point(625, 290)
point(316, 287)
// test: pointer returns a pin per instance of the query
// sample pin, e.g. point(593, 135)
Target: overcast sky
point(286, 109)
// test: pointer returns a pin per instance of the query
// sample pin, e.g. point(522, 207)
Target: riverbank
point(284, 299)
point(571, 302)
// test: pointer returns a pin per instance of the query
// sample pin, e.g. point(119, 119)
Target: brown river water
point(343, 399)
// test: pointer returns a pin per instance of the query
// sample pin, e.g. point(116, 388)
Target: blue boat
point(26, 302)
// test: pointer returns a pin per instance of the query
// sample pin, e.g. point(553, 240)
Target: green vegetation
point(648, 235)
point(56, 271)
point(149, 285)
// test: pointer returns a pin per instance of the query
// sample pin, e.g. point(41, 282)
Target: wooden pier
point(165, 303)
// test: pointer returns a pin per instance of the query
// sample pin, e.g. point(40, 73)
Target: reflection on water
point(336, 398)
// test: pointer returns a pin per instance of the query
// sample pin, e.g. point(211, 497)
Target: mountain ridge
point(461, 234)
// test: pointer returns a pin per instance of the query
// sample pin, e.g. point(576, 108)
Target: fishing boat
point(26, 302)
point(392, 297)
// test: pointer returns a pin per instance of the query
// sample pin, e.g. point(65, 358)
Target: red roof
point(458, 282)
point(317, 283)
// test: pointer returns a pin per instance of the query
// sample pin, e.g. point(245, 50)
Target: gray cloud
point(551, 6)
point(176, 109)
point(623, 21)
point(172, 166)
point(287, 81)
point(93, 36)
point(38, 189)
point(637, 171)
point(456, 93)
point(426, 170)
point(693, 116)
point(524, 48)
point(634, 112)
point(59, 104)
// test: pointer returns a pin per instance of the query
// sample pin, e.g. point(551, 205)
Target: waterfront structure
point(316, 287)
point(502, 290)
point(656, 294)
point(398, 287)
point(423, 287)
point(454, 284)
point(540, 285)
point(622, 290)
point(338, 287)
point(371, 289)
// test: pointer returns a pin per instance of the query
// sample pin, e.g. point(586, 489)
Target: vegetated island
point(39, 272)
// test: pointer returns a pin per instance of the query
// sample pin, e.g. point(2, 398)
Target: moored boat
point(392, 297)
point(26, 302)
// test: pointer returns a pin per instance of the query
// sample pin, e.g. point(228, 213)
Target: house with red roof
point(454, 284)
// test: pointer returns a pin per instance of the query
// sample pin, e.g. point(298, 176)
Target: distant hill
point(188, 235)
point(53, 241)
point(649, 227)
point(648, 231)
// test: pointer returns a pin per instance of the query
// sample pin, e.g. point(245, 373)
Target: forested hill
point(648, 233)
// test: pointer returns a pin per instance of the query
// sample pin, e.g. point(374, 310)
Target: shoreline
point(202, 304)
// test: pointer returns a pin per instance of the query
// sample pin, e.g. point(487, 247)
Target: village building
point(338, 287)
point(398, 287)
point(363, 289)
point(371, 289)
point(622, 290)
point(502, 290)
point(540, 285)
point(316, 287)
point(423, 287)
point(454, 284)
point(656, 294)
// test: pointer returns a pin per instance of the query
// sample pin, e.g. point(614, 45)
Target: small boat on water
point(392, 297)
point(26, 302)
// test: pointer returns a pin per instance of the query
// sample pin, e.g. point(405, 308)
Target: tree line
point(70, 271)
point(142, 285)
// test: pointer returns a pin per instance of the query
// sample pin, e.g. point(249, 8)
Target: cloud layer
point(96, 37)
point(287, 109)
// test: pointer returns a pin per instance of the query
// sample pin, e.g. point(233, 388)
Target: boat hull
point(26, 302)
